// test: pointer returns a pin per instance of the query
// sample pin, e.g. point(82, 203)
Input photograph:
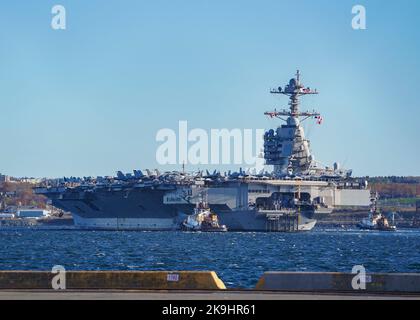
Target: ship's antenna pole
point(294, 90)
point(294, 98)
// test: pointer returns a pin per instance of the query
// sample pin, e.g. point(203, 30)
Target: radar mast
point(294, 90)
point(286, 147)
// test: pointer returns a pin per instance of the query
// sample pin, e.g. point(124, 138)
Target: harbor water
point(238, 258)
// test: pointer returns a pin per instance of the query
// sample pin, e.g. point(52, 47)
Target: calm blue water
point(238, 258)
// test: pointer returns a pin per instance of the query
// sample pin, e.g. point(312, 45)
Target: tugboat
point(376, 220)
point(203, 219)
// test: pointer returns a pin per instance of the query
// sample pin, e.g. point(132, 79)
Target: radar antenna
point(294, 90)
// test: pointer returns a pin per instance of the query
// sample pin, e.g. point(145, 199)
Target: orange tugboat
point(203, 219)
point(376, 220)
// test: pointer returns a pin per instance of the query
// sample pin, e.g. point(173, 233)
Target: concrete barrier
point(338, 282)
point(141, 280)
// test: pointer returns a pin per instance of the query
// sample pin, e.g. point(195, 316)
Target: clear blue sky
point(89, 100)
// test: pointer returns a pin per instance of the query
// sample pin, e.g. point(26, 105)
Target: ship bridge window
point(258, 191)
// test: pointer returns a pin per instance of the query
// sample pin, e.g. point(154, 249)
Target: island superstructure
point(286, 199)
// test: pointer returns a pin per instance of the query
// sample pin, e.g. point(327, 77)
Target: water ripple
point(238, 258)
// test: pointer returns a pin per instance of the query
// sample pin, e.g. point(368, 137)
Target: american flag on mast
point(319, 120)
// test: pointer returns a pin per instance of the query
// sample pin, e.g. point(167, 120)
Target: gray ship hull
point(144, 209)
point(137, 209)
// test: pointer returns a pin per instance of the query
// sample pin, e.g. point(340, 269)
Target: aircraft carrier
point(287, 199)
